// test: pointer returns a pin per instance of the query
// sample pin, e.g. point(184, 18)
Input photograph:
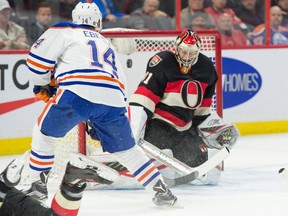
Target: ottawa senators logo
point(154, 61)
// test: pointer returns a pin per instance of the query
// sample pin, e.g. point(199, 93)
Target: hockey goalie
point(170, 109)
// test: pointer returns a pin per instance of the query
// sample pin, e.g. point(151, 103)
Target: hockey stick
point(102, 170)
point(284, 173)
point(189, 173)
point(182, 179)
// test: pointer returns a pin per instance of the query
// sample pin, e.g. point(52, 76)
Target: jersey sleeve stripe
point(142, 90)
point(42, 59)
point(143, 101)
point(37, 72)
point(38, 65)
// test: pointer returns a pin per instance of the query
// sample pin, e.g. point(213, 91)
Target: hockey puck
point(284, 173)
point(129, 63)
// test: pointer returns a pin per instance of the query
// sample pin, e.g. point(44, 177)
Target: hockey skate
point(38, 189)
point(84, 169)
point(11, 175)
point(77, 176)
point(163, 196)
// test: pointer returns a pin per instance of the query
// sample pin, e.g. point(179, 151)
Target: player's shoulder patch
point(154, 61)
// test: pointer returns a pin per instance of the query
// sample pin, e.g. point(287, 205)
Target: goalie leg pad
point(212, 177)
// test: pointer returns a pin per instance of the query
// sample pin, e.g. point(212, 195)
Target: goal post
point(146, 44)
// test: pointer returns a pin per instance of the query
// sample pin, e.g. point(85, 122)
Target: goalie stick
point(189, 173)
point(182, 179)
point(284, 173)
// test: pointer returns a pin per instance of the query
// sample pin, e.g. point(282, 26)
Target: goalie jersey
point(175, 97)
point(89, 61)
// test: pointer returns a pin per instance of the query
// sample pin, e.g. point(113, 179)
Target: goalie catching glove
point(218, 134)
point(44, 93)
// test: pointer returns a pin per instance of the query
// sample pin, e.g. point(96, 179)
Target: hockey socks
point(142, 168)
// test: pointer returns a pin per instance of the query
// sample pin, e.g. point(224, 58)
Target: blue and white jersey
point(85, 64)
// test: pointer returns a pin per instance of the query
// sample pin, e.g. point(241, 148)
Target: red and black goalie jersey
point(176, 98)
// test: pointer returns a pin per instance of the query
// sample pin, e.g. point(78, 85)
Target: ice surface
point(250, 185)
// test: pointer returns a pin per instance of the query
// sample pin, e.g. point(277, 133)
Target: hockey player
point(66, 200)
point(174, 98)
point(91, 86)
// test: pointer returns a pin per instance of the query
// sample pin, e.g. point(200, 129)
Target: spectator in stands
point(167, 6)
point(127, 6)
point(14, 16)
point(251, 13)
point(218, 7)
point(229, 35)
point(25, 11)
point(65, 9)
point(200, 21)
point(111, 17)
point(278, 33)
point(150, 8)
point(194, 6)
point(283, 4)
point(150, 17)
point(230, 4)
point(42, 23)
point(12, 36)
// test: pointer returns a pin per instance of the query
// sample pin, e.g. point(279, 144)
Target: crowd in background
point(240, 22)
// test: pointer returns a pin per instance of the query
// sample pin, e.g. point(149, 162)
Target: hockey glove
point(218, 134)
point(44, 93)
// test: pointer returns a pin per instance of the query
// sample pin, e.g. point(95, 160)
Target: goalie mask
point(188, 46)
point(87, 14)
point(218, 134)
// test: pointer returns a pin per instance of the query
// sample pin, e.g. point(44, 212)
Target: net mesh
point(162, 44)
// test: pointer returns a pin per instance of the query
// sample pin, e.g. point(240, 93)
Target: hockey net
point(143, 45)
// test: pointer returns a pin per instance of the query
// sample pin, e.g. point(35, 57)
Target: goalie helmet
point(87, 14)
point(188, 46)
point(218, 134)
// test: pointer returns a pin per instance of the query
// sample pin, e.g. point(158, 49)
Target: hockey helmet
point(87, 14)
point(188, 45)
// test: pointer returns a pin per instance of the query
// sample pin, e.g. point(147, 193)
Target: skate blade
point(176, 205)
